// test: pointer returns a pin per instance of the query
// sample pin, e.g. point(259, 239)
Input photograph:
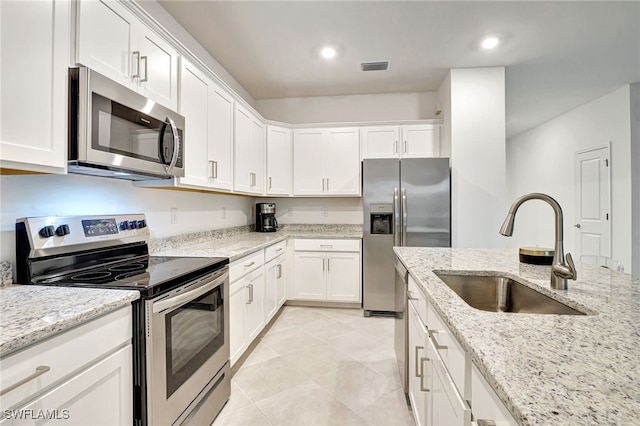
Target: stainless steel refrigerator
point(406, 203)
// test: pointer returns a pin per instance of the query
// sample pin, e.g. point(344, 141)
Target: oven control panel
point(52, 231)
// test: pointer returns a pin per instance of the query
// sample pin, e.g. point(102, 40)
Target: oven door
point(187, 344)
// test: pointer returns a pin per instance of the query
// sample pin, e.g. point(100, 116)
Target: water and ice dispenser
point(381, 219)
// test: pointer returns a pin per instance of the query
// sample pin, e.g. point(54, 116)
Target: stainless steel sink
point(495, 293)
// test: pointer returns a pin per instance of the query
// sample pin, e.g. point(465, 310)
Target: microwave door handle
point(176, 145)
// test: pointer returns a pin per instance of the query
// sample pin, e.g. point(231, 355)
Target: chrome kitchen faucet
point(561, 271)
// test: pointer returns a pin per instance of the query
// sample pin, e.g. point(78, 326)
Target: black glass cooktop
point(151, 275)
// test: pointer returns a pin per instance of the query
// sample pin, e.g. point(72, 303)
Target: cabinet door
point(343, 277)
point(220, 137)
point(279, 167)
point(342, 162)
point(270, 295)
point(194, 105)
point(380, 142)
point(310, 276)
point(255, 308)
point(281, 281)
point(158, 68)
point(257, 150)
point(105, 37)
point(418, 368)
point(421, 141)
point(34, 50)
point(242, 180)
point(239, 297)
point(308, 162)
point(485, 402)
point(100, 395)
point(447, 405)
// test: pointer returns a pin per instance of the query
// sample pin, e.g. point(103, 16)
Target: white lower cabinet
point(485, 403)
point(86, 376)
point(327, 270)
point(419, 368)
point(275, 286)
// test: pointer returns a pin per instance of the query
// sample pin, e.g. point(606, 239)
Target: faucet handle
point(572, 267)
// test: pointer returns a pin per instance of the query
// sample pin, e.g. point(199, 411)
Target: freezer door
point(380, 178)
point(426, 202)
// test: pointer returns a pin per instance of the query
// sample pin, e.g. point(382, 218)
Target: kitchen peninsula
point(546, 369)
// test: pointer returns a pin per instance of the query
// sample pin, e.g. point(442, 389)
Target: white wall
point(541, 160)
point(478, 160)
point(317, 210)
point(65, 195)
point(354, 108)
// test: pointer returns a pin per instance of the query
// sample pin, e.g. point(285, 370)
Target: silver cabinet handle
point(405, 147)
point(328, 265)
point(422, 388)
point(418, 368)
point(146, 69)
point(214, 169)
point(40, 370)
point(323, 264)
point(410, 295)
point(136, 55)
point(327, 184)
point(395, 147)
point(326, 246)
point(279, 266)
point(322, 184)
point(249, 264)
point(279, 249)
point(435, 342)
point(396, 218)
point(404, 216)
point(248, 287)
point(577, 225)
point(485, 422)
point(251, 291)
point(269, 182)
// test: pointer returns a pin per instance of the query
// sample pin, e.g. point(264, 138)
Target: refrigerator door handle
point(404, 216)
point(396, 218)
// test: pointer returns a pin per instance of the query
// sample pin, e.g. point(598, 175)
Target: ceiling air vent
point(374, 66)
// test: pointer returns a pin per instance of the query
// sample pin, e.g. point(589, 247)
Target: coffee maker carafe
point(266, 217)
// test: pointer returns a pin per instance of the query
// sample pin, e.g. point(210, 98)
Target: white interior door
point(593, 205)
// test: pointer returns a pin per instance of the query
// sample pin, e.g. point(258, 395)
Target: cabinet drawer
point(418, 299)
point(486, 404)
point(452, 354)
point(326, 245)
point(241, 267)
point(272, 251)
point(64, 354)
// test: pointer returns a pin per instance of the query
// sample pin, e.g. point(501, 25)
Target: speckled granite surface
point(6, 273)
point(547, 369)
point(235, 243)
point(29, 313)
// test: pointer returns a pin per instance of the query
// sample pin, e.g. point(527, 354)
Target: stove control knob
point(62, 230)
point(47, 231)
point(133, 224)
point(142, 224)
point(124, 225)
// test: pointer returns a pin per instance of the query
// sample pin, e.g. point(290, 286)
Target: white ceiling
point(558, 54)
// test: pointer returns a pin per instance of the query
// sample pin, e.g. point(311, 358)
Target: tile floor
point(319, 366)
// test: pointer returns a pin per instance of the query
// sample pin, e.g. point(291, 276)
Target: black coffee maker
point(266, 217)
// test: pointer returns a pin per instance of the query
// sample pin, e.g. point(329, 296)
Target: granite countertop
point(546, 369)
point(236, 243)
point(29, 313)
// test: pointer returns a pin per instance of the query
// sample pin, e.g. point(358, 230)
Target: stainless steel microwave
point(116, 132)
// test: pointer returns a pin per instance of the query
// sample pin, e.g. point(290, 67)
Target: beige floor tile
point(262, 380)
point(362, 347)
point(290, 340)
point(307, 404)
point(388, 367)
point(237, 400)
point(389, 410)
point(260, 353)
point(249, 416)
point(319, 359)
point(357, 386)
point(325, 328)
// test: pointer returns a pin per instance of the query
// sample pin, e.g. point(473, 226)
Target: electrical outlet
point(224, 212)
point(290, 211)
point(174, 215)
point(325, 211)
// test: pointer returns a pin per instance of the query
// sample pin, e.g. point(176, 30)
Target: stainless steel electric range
point(180, 324)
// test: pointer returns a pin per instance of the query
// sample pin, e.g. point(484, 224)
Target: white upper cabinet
point(326, 161)
point(208, 112)
point(34, 51)
point(279, 166)
point(113, 42)
point(410, 141)
point(249, 146)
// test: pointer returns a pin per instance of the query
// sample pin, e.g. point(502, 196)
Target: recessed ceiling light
point(328, 52)
point(490, 42)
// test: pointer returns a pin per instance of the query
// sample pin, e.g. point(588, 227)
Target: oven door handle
point(191, 294)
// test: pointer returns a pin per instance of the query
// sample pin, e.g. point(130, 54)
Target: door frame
point(577, 199)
